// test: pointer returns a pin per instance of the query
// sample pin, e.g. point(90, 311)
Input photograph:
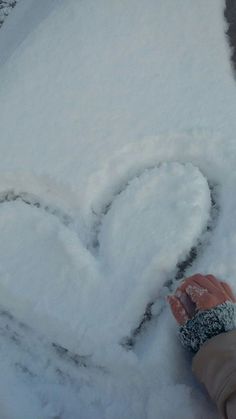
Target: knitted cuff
point(206, 324)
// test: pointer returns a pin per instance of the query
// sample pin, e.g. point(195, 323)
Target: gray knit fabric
point(206, 324)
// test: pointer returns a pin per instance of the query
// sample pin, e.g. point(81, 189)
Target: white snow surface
point(66, 292)
point(117, 135)
point(5, 8)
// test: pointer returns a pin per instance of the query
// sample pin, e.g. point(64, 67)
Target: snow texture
point(207, 324)
point(141, 225)
point(5, 8)
point(116, 121)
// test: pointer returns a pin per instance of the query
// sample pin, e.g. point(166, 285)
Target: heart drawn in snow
point(49, 280)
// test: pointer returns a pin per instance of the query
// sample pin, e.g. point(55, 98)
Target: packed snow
point(125, 275)
point(118, 164)
point(5, 9)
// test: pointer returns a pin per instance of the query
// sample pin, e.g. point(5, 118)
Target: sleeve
point(215, 366)
point(231, 407)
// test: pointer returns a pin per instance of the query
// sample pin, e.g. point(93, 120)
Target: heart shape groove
point(86, 303)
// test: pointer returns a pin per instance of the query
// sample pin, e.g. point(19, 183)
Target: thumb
point(177, 309)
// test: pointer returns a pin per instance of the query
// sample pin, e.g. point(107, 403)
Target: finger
point(200, 287)
point(178, 309)
point(212, 287)
point(224, 287)
point(213, 279)
point(201, 297)
point(210, 282)
point(188, 280)
point(189, 305)
point(229, 291)
point(217, 283)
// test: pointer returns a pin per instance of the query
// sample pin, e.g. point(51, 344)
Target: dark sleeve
point(215, 367)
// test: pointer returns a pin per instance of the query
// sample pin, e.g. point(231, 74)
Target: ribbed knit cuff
point(206, 324)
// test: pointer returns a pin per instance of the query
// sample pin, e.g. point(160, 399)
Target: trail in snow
point(152, 187)
point(110, 93)
point(35, 201)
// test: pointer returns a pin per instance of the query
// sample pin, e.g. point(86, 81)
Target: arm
point(215, 366)
point(205, 309)
point(231, 407)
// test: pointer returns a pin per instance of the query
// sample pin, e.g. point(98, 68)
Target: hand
point(198, 293)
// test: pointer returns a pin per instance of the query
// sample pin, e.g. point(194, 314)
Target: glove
point(204, 307)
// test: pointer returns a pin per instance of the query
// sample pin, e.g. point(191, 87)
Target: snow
point(5, 9)
point(125, 274)
point(117, 137)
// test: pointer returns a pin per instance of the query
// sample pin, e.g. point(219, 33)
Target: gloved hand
point(204, 307)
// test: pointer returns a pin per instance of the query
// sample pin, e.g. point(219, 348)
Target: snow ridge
point(35, 201)
point(150, 314)
point(179, 190)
